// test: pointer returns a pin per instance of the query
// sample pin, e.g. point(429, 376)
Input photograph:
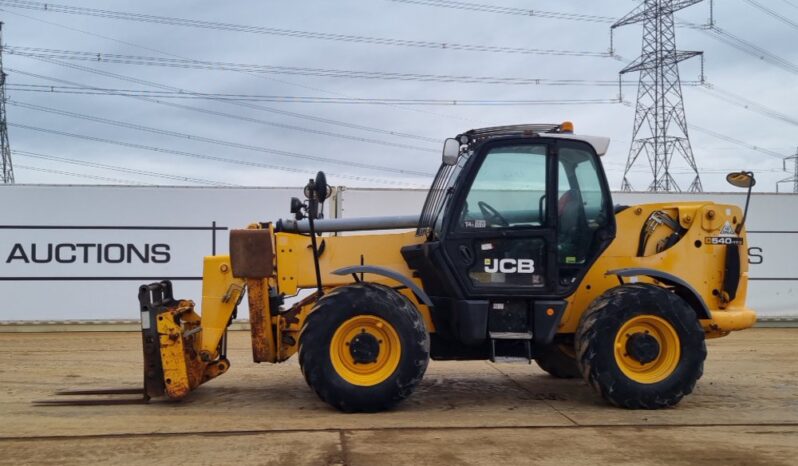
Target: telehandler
point(518, 254)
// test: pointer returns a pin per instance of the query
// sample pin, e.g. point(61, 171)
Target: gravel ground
point(744, 411)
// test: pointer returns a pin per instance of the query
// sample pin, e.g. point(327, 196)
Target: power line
point(709, 89)
point(126, 16)
point(293, 83)
point(259, 76)
point(430, 139)
point(740, 44)
point(116, 168)
point(509, 10)
point(297, 99)
point(738, 142)
point(240, 117)
point(719, 34)
point(750, 105)
point(198, 138)
point(715, 32)
point(81, 175)
point(203, 156)
point(772, 13)
point(289, 70)
point(276, 111)
point(301, 99)
point(749, 48)
point(526, 12)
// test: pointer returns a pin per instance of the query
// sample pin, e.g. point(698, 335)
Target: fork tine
point(102, 391)
point(90, 402)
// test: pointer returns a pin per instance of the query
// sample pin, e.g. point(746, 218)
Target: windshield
point(508, 190)
point(439, 194)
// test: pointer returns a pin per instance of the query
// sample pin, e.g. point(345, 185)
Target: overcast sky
point(725, 67)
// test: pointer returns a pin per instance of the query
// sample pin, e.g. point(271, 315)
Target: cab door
point(528, 219)
point(501, 229)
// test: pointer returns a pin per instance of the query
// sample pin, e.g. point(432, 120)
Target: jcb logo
point(510, 265)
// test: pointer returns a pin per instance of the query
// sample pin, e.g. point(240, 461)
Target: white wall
point(182, 221)
point(88, 288)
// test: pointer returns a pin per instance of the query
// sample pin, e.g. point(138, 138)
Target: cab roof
point(563, 131)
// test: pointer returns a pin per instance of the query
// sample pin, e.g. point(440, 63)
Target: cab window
point(580, 206)
point(508, 191)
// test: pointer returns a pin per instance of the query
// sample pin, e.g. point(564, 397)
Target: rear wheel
point(558, 359)
point(364, 348)
point(640, 346)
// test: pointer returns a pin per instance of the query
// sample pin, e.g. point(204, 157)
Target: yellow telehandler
point(519, 254)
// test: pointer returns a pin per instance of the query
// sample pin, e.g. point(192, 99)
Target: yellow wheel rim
point(365, 332)
point(663, 363)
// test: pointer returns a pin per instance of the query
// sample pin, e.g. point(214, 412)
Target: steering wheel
point(492, 214)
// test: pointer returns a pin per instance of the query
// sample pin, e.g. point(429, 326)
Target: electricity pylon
point(660, 126)
point(794, 178)
point(5, 148)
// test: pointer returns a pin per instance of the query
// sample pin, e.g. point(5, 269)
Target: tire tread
point(605, 313)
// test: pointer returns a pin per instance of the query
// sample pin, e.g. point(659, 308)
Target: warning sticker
point(727, 229)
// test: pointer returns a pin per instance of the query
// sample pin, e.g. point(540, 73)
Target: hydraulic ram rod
point(349, 224)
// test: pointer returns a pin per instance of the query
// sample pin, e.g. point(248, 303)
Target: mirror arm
point(315, 191)
point(315, 254)
point(747, 201)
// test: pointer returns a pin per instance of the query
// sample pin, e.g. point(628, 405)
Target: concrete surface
point(744, 411)
point(117, 325)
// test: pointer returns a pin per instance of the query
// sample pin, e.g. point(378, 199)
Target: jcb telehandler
point(518, 253)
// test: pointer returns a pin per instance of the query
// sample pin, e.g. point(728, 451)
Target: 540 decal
point(729, 240)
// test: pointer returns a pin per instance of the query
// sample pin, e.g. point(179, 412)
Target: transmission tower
point(5, 148)
point(794, 178)
point(660, 126)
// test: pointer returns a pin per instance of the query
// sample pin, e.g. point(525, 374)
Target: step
point(510, 335)
point(511, 360)
point(526, 337)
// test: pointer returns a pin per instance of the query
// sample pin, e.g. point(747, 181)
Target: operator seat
point(573, 236)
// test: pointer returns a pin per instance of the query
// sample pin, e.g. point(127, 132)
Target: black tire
point(334, 310)
point(558, 359)
point(599, 363)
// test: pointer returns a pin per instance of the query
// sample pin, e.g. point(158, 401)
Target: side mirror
point(451, 150)
point(741, 179)
point(745, 180)
point(318, 189)
point(323, 190)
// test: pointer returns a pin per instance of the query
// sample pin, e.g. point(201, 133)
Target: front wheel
point(640, 346)
point(363, 348)
point(558, 359)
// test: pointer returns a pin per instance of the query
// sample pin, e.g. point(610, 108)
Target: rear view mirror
point(745, 180)
point(741, 179)
point(451, 149)
point(322, 189)
point(318, 189)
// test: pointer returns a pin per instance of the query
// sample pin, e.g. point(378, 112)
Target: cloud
point(726, 67)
